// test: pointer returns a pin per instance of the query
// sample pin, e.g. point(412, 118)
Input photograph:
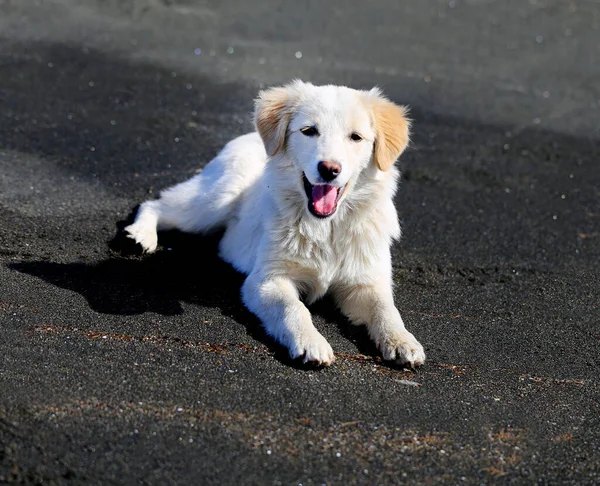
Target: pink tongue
point(324, 198)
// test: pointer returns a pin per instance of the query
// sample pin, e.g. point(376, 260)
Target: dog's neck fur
point(302, 233)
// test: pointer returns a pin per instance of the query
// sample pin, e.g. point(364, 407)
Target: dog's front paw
point(314, 348)
point(401, 347)
point(145, 236)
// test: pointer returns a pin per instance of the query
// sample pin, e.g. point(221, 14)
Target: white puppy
point(310, 214)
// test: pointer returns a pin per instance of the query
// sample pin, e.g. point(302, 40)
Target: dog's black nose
point(329, 170)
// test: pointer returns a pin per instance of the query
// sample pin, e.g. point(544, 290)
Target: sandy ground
point(122, 369)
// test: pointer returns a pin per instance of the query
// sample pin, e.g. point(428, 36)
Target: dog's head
point(330, 134)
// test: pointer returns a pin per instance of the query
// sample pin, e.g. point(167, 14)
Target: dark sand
point(121, 369)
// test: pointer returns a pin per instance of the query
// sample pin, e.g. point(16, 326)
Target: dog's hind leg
point(206, 201)
point(143, 230)
point(194, 206)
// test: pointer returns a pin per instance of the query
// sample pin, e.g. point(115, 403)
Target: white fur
point(288, 254)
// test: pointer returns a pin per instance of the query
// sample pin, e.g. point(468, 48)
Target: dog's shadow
point(185, 268)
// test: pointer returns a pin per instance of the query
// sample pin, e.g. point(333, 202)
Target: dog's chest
point(318, 256)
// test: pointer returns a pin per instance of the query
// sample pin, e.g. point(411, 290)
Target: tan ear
point(392, 129)
point(272, 112)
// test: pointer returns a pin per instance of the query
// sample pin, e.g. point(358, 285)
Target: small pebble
point(230, 50)
point(298, 54)
point(409, 383)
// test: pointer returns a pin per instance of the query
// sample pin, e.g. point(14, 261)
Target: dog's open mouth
point(322, 198)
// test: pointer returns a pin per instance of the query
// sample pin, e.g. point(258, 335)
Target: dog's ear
point(392, 130)
point(272, 112)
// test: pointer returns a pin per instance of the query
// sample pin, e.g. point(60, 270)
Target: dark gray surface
point(120, 369)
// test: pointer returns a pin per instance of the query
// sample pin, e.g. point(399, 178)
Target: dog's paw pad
point(315, 350)
point(145, 237)
point(403, 348)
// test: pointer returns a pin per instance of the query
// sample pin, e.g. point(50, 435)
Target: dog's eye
point(309, 131)
point(355, 137)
